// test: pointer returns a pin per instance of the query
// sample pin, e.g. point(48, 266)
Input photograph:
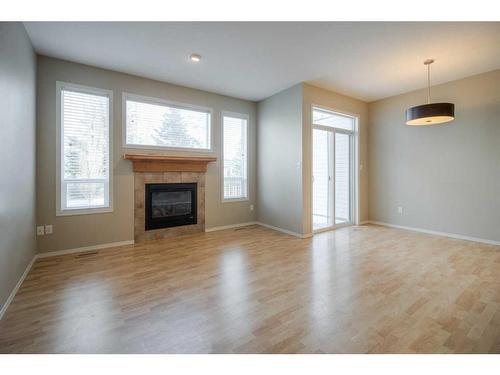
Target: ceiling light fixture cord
point(428, 83)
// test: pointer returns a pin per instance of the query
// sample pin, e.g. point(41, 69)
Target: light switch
point(48, 229)
point(40, 230)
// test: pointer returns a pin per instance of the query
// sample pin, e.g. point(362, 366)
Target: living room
point(250, 187)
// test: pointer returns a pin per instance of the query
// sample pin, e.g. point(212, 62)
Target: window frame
point(353, 116)
point(152, 100)
point(246, 117)
point(60, 86)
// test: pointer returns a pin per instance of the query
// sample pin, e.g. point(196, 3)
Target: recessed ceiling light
point(195, 57)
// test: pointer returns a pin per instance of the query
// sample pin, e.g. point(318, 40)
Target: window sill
point(84, 211)
point(229, 200)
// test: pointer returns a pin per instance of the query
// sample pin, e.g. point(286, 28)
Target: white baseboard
point(84, 249)
point(232, 226)
point(16, 288)
point(286, 231)
point(436, 233)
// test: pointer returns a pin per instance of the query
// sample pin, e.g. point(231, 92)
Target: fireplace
point(184, 172)
point(170, 205)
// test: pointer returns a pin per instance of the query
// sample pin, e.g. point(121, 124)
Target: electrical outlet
point(48, 229)
point(40, 230)
point(251, 207)
point(400, 210)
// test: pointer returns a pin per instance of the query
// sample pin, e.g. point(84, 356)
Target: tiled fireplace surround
point(149, 169)
point(143, 178)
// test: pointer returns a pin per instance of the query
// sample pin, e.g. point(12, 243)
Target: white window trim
point(247, 118)
point(89, 90)
point(336, 112)
point(150, 100)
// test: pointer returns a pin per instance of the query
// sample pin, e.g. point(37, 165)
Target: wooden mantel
point(162, 163)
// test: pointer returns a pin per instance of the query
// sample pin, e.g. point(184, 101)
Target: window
point(235, 157)
point(84, 149)
point(153, 123)
point(332, 119)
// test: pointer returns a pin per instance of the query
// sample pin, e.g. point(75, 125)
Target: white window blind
point(85, 123)
point(235, 157)
point(157, 124)
point(332, 119)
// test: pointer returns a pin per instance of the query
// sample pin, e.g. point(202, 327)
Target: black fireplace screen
point(170, 205)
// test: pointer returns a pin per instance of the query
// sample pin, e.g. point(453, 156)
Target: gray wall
point(94, 229)
point(284, 154)
point(17, 155)
point(329, 99)
point(446, 177)
point(279, 160)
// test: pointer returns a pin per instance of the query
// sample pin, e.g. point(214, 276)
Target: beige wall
point(17, 155)
point(446, 177)
point(280, 155)
point(329, 99)
point(94, 229)
point(279, 159)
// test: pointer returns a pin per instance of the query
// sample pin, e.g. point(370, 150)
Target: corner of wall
point(18, 245)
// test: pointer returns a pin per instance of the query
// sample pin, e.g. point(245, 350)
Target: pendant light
point(430, 113)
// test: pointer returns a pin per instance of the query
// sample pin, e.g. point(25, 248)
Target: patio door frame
point(353, 169)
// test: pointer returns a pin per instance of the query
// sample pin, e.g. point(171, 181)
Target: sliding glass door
point(342, 177)
point(323, 210)
point(333, 161)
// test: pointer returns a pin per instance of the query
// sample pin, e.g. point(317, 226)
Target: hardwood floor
point(365, 289)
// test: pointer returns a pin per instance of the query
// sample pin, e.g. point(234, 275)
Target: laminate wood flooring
point(366, 289)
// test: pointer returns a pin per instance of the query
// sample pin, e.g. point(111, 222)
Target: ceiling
point(253, 60)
